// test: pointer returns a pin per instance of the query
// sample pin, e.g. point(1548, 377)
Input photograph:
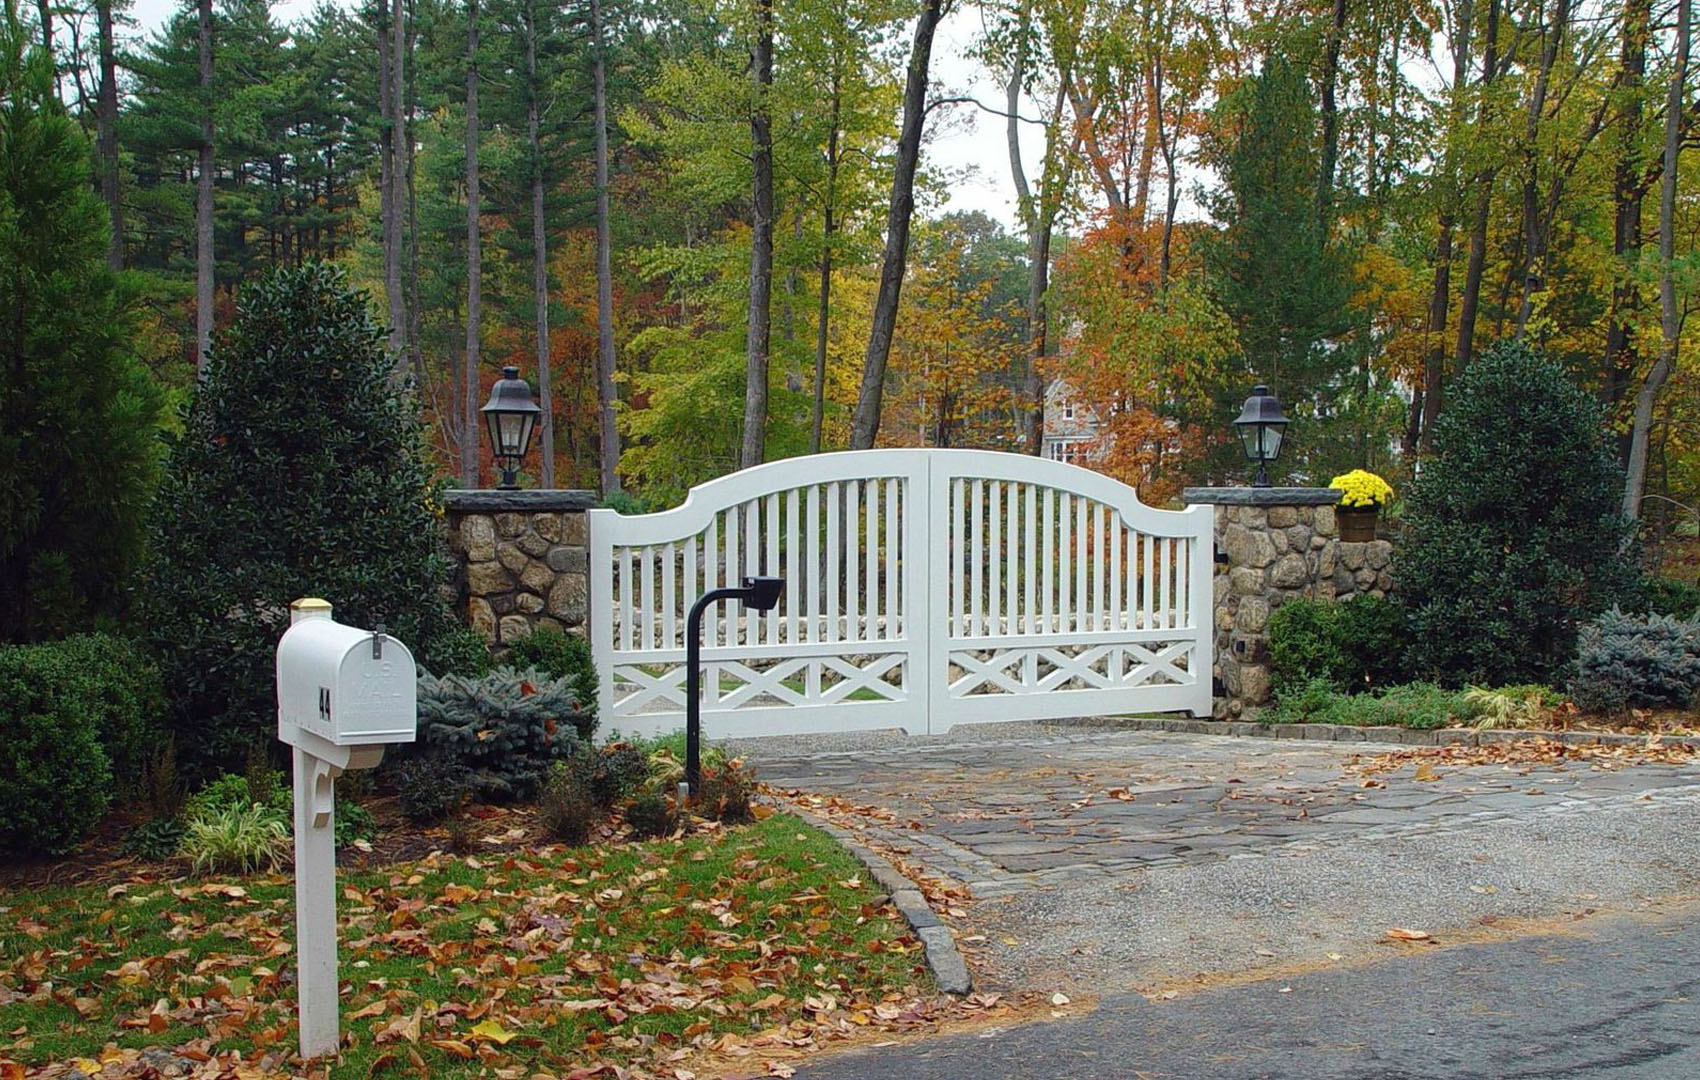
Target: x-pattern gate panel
point(922, 588)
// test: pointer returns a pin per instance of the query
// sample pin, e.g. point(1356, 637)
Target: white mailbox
point(343, 694)
point(348, 686)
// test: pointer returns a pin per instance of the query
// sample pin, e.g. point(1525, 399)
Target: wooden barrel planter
point(1357, 524)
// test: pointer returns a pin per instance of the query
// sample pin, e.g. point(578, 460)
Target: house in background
point(1072, 427)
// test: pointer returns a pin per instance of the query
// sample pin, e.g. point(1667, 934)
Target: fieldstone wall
point(522, 560)
point(1274, 545)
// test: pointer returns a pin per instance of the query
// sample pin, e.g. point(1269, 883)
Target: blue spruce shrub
point(508, 728)
point(1637, 660)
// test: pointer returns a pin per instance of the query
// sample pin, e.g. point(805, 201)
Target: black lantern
point(1261, 423)
point(510, 416)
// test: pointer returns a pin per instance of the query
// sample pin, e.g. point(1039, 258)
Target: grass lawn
point(542, 961)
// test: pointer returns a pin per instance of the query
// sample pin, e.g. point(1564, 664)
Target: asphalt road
point(1611, 998)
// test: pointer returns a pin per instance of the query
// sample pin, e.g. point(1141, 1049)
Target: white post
point(315, 885)
point(315, 904)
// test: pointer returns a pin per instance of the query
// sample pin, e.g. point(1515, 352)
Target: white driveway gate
point(923, 588)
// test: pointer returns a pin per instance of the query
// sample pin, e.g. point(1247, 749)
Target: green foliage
point(726, 792)
point(618, 770)
point(431, 787)
point(1411, 705)
point(121, 687)
point(561, 656)
point(78, 413)
point(155, 840)
point(651, 815)
point(1510, 706)
point(566, 808)
point(625, 502)
point(235, 839)
point(55, 776)
point(1353, 646)
point(459, 651)
point(1272, 267)
point(508, 728)
point(1625, 661)
point(1514, 532)
point(228, 792)
point(296, 474)
point(1667, 596)
point(353, 822)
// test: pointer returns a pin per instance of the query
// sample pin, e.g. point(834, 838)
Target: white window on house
point(1068, 410)
point(1068, 451)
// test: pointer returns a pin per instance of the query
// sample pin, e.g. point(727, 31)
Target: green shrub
point(618, 771)
point(353, 822)
point(1637, 660)
point(1514, 532)
point(155, 840)
point(235, 839)
point(508, 728)
point(624, 502)
point(1666, 596)
point(727, 791)
point(1510, 706)
point(122, 687)
point(228, 792)
point(1354, 645)
point(298, 472)
point(1411, 705)
point(78, 410)
point(460, 651)
point(430, 787)
point(55, 776)
point(651, 815)
point(566, 808)
point(561, 656)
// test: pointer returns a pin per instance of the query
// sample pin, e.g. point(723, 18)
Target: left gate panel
point(841, 651)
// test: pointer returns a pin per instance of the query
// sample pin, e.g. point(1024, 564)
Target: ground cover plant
point(546, 959)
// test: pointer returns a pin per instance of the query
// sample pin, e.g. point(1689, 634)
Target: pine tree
point(296, 474)
point(77, 411)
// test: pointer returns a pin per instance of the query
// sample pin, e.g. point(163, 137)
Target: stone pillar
point(522, 560)
point(1272, 544)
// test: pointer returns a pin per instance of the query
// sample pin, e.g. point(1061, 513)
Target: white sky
point(968, 145)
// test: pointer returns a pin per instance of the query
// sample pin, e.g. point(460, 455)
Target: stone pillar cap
point(1260, 496)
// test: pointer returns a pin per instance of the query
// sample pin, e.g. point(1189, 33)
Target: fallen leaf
point(1059, 998)
point(493, 1031)
point(1399, 933)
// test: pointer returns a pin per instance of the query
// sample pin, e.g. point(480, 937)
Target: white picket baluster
point(1118, 600)
point(834, 557)
point(994, 557)
point(872, 564)
point(1147, 542)
point(976, 558)
point(893, 540)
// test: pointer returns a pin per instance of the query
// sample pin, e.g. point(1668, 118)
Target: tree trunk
point(1330, 123)
point(1469, 303)
point(474, 253)
point(106, 135)
point(388, 217)
point(539, 250)
point(408, 238)
point(865, 424)
point(401, 150)
point(1670, 313)
point(610, 444)
point(1628, 193)
point(204, 193)
point(1534, 227)
point(757, 337)
point(829, 227)
point(1419, 436)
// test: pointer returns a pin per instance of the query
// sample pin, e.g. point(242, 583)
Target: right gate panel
point(1055, 593)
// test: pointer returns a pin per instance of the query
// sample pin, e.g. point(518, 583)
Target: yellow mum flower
point(1362, 490)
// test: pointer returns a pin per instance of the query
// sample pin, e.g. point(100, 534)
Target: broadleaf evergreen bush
point(1354, 646)
point(1514, 532)
point(55, 776)
point(298, 472)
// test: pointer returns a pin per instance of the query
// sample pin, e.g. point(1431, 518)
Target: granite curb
point(949, 970)
point(1394, 736)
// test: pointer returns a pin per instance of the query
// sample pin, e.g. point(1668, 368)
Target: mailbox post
point(757, 594)
point(343, 694)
